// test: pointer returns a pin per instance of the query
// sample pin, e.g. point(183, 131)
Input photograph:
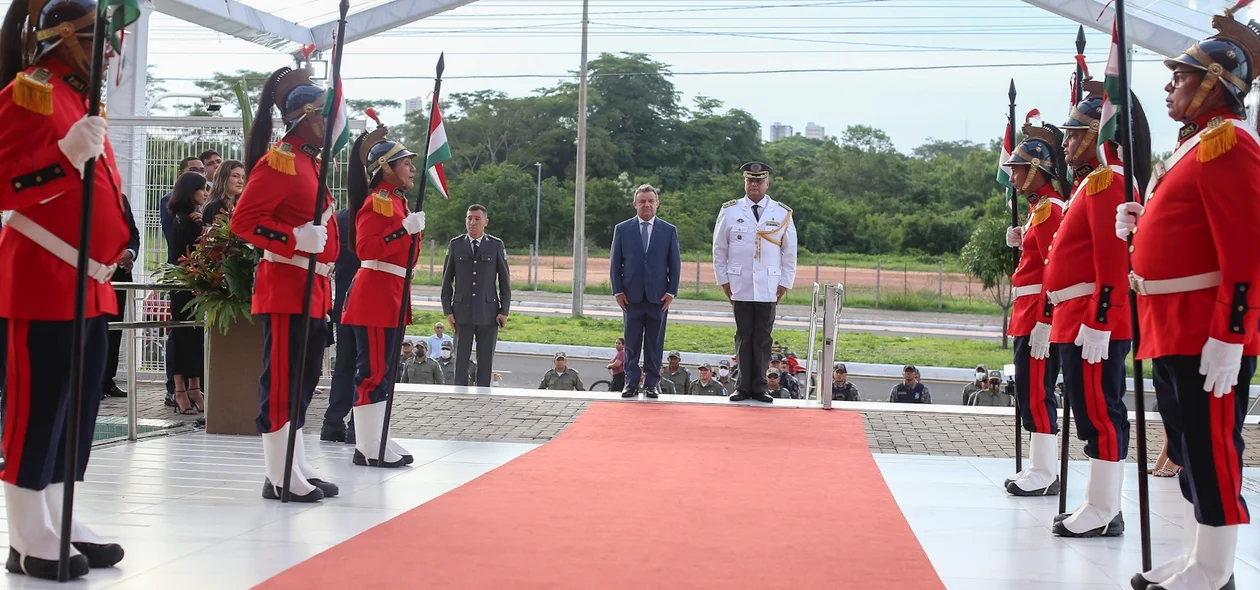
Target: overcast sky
point(709, 43)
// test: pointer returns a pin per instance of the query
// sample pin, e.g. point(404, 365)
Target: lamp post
point(537, 223)
point(579, 197)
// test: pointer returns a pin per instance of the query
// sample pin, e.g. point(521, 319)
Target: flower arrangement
point(220, 272)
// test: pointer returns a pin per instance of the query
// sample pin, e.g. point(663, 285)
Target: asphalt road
point(526, 371)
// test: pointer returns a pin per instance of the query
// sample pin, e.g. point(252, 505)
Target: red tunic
point(1086, 251)
point(273, 204)
point(1042, 222)
point(38, 182)
point(375, 296)
point(1202, 217)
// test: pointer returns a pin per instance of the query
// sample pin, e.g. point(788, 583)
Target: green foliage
point(220, 271)
point(986, 255)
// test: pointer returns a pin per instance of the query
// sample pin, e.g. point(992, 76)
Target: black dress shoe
point(1050, 490)
point(100, 555)
point(332, 434)
point(44, 568)
point(763, 397)
point(359, 459)
point(1229, 585)
point(652, 392)
point(629, 393)
point(115, 391)
point(1115, 528)
point(170, 401)
point(271, 492)
point(738, 396)
point(329, 488)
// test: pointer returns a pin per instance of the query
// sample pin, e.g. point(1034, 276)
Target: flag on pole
point(336, 113)
point(1004, 171)
point(439, 151)
point(1111, 97)
point(120, 13)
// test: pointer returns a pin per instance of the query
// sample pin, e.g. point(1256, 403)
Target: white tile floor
point(188, 511)
point(979, 538)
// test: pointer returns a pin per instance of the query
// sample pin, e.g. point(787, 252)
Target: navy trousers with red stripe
point(1034, 380)
point(282, 347)
point(1205, 437)
point(1096, 392)
point(36, 357)
point(372, 379)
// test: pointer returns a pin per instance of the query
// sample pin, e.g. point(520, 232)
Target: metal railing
point(129, 324)
point(832, 299)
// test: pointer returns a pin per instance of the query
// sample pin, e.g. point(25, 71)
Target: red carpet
point(653, 496)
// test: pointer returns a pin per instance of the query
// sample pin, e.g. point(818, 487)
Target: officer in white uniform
point(754, 259)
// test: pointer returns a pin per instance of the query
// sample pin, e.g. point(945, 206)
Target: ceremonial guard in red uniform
point(275, 214)
point(382, 238)
point(1196, 270)
point(1086, 281)
point(1037, 166)
point(45, 139)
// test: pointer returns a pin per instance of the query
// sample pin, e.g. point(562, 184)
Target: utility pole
point(537, 224)
point(579, 197)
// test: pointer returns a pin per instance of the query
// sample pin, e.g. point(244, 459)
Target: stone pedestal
point(234, 363)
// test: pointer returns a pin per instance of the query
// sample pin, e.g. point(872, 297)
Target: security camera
point(213, 103)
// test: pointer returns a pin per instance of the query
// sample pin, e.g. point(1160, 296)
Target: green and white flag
point(1004, 171)
point(338, 118)
point(439, 151)
point(120, 13)
point(1111, 97)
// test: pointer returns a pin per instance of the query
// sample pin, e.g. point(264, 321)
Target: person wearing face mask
point(1039, 172)
point(446, 360)
point(723, 377)
point(970, 389)
point(1196, 270)
point(274, 214)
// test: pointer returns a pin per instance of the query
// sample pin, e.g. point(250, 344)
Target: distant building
point(413, 104)
point(813, 131)
point(778, 131)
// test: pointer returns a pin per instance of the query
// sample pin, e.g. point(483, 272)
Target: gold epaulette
point(1041, 212)
point(729, 203)
point(1218, 138)
point(785, 207)
point(281, 159)
point(33, 92)
point(1098, 180)
point(381, 203)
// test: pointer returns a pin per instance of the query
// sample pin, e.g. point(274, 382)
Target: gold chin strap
point(1214, 72)
point(296, 116)
point(1090, 142)
point(65, 33)
point(1032, 173)
point(382, 164)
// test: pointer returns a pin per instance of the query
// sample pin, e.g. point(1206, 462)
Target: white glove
point(1220, 362)
point(310, 237)
point(85, 140)
point(1015, 237)
point(1093, 344)
point(1127, 215)
point(1039, 340)
point(414, 223)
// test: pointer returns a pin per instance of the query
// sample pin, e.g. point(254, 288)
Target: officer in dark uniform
point(341, 391)
point(121, 275)
point(912, 391)
point(46, 137)
point(474, 307)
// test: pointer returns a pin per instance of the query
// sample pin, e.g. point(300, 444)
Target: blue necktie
point(643, 233)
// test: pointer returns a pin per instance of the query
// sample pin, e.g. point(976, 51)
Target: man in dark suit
point(474, 307)
point(644, 274)
point(121, 275)
point(341, 391)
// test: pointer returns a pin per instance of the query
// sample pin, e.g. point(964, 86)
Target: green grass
point(855, 348)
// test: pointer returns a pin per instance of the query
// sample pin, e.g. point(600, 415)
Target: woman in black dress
point(226, 186)
point(187, 344)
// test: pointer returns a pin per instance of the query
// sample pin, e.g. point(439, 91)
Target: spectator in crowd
point(841, 388)
point(785, 377)
point(560, 377)
point(725, 377)
point(189, 164)
point(911, 390)
point(992, 394)
point(211, 160)
point(676, 373)
point(435, 341)
point(446, 361)
point(618, 366)
point(421, 369)
point(774, 383)
point(1164, 467)
point(706, 384)
point(187, 344)
point(122, 274)
point(978, 384)
point(227, 184)
point(407, 354)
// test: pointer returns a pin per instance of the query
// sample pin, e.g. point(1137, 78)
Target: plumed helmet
point(1085, 115)
point(54, 21)
point(384, 153)
point(1042, 148)
point(1229, 57)
point(296, 95)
